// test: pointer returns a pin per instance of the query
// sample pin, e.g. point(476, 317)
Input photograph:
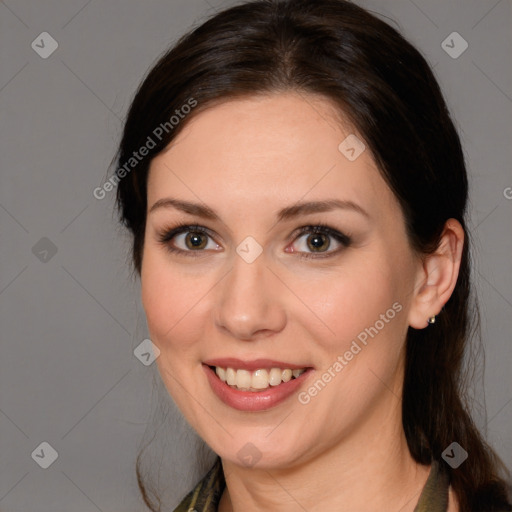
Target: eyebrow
point(286, 213)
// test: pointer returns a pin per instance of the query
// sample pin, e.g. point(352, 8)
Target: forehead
point(255, 150)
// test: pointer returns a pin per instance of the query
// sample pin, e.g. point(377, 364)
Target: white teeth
point(221, 373)
point(274, 379)
point(231, 377)
point(257, 380)
point(243, 379)
point(260, 379)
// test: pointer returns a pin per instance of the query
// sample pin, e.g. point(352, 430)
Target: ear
point(437, 276)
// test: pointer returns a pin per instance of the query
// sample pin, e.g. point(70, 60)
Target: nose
point(249, 303)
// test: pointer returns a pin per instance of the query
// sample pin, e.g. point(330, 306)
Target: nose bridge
point(246, 305)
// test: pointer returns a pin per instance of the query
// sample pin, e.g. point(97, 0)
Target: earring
point(432, 320)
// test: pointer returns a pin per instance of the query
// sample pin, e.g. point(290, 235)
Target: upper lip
point(255, 364)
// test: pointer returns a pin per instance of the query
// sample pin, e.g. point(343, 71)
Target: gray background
point(69, 325)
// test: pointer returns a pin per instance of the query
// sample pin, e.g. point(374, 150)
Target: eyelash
point(165, 236)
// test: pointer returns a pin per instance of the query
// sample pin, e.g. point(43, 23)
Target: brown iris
point(317, 240)
point(193, 240)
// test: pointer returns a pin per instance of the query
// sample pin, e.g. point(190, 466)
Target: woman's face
point(255, 294)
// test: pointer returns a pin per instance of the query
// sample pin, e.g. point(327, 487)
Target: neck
point(371, 469)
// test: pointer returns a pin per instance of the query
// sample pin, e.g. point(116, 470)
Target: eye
point(192, 238)
point(319, 240)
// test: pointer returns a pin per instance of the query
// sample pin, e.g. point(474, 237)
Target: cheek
point(364, 308)
point(354, 300)
point(171, 300)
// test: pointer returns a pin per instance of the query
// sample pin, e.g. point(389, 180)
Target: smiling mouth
point(257, 380)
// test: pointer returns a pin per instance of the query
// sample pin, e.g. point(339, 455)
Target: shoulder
point(205, 496)
point(483, 501)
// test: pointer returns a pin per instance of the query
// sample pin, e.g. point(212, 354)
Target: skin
point(246, 159)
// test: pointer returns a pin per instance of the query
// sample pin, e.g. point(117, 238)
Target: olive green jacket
point(206, 494)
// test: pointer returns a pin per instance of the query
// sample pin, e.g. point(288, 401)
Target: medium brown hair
point(387, 90)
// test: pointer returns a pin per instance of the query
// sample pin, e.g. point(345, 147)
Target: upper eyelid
point(173, 232)
point(179, 229)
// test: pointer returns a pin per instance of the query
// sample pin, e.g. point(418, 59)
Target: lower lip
point(254, 400)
